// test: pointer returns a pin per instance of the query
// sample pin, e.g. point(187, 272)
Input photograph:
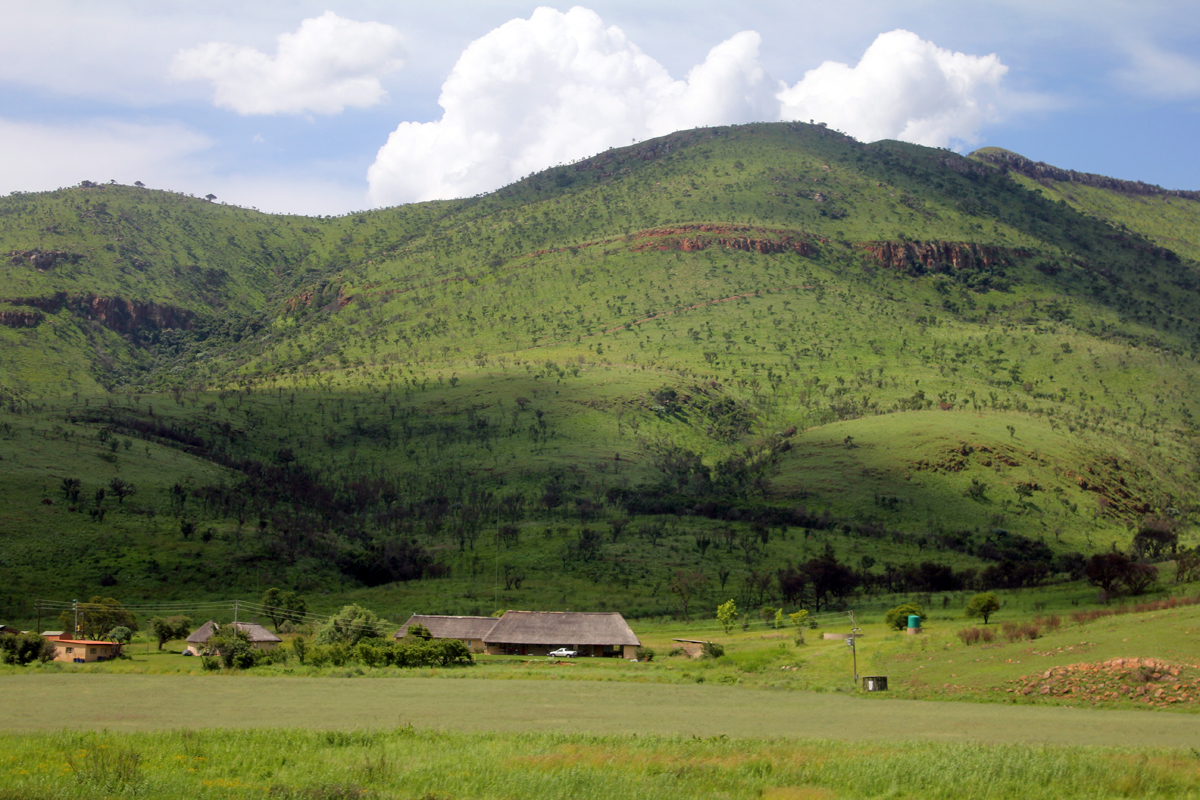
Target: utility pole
point(235, 612)
point(75, 632)
point(853, 649)
point(39, 612)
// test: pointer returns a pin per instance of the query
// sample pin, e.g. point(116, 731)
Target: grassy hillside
point(716, 352)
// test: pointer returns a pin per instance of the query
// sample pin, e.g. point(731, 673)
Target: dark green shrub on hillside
point(713, 650)
point(897, 618)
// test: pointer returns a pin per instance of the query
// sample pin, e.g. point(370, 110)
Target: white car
point(563, 652)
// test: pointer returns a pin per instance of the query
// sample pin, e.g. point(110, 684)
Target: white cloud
point(96, 150)
point(554, 88)
point(557, 87)
point(327, 65)
point(1159, 73)
point(903, 88)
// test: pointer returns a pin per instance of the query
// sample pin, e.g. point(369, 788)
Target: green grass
point(424, 763)
point(505, 344)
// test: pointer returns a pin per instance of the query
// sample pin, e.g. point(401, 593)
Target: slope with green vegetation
point(712, 357)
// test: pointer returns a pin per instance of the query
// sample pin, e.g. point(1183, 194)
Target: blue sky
point(329, 107)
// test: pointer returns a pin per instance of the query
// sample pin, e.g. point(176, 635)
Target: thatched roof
point(451, 627)
point(256, 632)
point(562, 628)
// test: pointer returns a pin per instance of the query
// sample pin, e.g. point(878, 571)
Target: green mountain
point(723, 352)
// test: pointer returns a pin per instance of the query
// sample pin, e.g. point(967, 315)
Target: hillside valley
point(672, 373)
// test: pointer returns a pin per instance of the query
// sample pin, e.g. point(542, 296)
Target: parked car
point(563, 652)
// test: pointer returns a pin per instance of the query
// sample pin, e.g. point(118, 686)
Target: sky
point(331, 107)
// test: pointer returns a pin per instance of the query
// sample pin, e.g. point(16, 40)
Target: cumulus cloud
point(902, 88)
point(327, 65)
point(557, 87)
point(1159, 73)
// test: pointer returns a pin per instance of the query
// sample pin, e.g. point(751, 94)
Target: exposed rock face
point(1041, 171)
point(21, 319)
point(114, 313)
point(921, 256)
point(42, 260)
point(677, 238)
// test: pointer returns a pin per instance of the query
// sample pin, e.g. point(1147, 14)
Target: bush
point(676, 651)
point(24, 648)
point(713, 650)
point(897, 618)
point(646, 653)
point(970, 635)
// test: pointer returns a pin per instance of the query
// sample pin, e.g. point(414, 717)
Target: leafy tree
point(120, 634)
point(1139, 577)
point(983, 605)
point(1106, 570)
point(232, 646)
point(121, 489)
point(351, 625)
point(97, 617)
point(829, 578)
point(799, 620)
point(727, 614)
point(165, 629)
point(280, 606)
point(897, 618)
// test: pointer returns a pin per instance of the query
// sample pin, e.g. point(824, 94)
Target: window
point(93, 651)
point(70, 649)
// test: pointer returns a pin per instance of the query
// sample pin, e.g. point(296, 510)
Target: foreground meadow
point(419, 763)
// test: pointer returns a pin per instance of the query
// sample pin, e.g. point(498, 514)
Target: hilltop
point(725, 351)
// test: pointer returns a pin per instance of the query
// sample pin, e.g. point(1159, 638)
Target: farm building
point(469, 630)
point(536, 633)
point(80, 651)
point(53, 634)
point(260, 637)
point(9, 629)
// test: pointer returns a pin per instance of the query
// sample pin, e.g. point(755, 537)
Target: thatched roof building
point(603, 633)
point(260, 637)
point(469, 630)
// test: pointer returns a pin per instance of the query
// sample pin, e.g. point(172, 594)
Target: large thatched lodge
point(535, 633)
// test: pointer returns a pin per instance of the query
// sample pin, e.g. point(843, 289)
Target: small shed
point(693, 647)
point(80, 651)
point(468, 630)
point(260, 637)
point(537, 633)
point(53, 634)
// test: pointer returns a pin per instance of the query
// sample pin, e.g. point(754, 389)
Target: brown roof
point(256, 632)
point(562, 628)
point(451, 627)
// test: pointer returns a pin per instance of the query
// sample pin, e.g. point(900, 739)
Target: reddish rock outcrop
point(676, 238)
point(114, 313)
point(42, 260)
point(934, 255)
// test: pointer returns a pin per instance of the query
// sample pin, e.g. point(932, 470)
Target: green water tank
point(914, 620)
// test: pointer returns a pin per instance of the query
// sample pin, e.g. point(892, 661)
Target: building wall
point(70, 651)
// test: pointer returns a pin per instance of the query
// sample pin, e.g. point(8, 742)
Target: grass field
point(420, 763)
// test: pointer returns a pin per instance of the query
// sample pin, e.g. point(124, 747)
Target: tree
point(983, 605)
point(1106, 570)
point(1155, 537)
point(279, 606)
point(97, 617)
point(165, 629)
point(1139, 577)
point(727, 614)
point(120, 634)
point(351, 625)
point(897, 618)
point(686, 584)
point(232, 645)
point(210, 197)
point(828, 577)
point(799, 622)
point(121, 489)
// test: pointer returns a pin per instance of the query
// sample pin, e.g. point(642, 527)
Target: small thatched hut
point(260, 637)
point(469, 630)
